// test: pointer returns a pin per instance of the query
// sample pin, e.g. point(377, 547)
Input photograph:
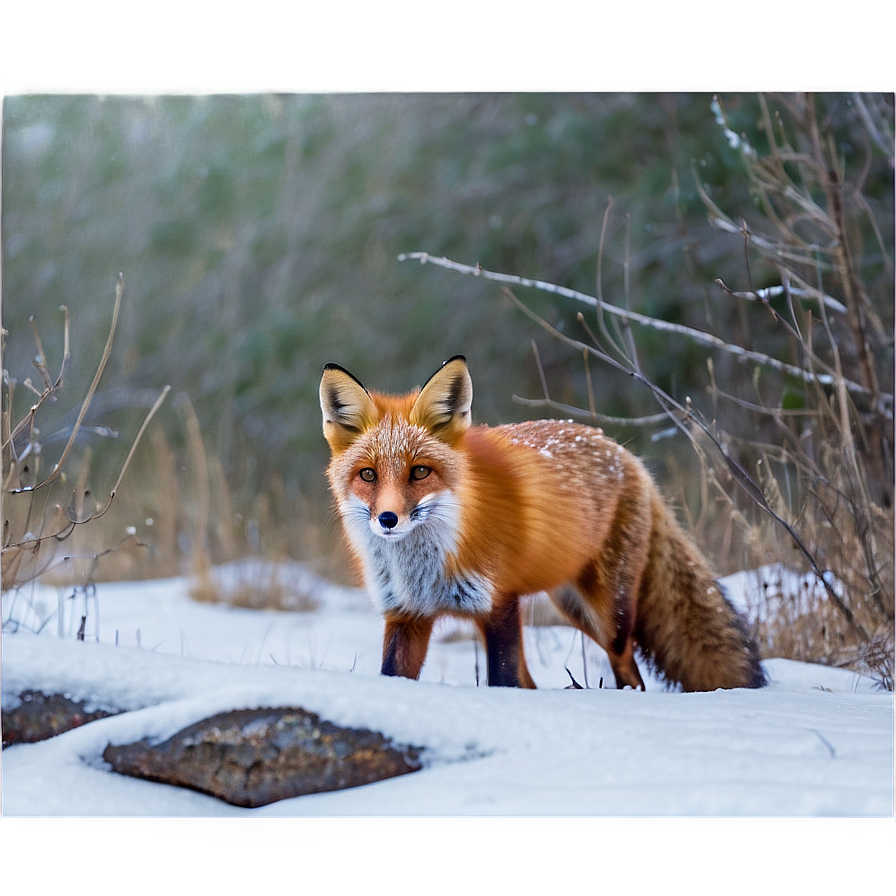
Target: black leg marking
point(503, 645)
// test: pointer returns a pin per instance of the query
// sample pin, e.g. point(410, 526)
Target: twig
point(572, 411)
point(40, 362)
point(63, 533)
point(592, 407)
point(699, 336)
point(541, 376)
point(134, 445)
point(119, 287)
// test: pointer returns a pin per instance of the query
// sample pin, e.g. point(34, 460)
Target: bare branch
point(573, 411)
point(40, 362)
point(698, 336)
point(134, 445)
point(119, 287)
point(804, 291)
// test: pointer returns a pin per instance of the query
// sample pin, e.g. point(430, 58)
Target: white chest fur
point(408, 573)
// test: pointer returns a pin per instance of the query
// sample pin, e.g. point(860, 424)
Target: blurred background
point(258, 238)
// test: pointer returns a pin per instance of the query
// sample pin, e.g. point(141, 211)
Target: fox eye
point(368, 474)
point(420, 472)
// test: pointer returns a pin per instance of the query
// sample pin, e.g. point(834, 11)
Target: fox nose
point(388, 520)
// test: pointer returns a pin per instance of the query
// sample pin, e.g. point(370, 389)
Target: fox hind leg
point(609, 622)
point(608, 586)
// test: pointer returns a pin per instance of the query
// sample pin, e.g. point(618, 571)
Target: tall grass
point(794, 439)
point(45, 501)
point(61, 527)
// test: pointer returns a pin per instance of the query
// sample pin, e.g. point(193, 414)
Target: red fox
point(448, 518)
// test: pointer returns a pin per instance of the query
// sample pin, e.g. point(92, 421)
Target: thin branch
point(134, 445)
point(804, 291)
point(71, 520)
point(592, 407)
point(66, 347)
point(832, 374)
point(573, 411)
point(775, 412)
point(119, 287)
point(599, 300)
point(699, 336)
point(40, 362)
point(538, 364)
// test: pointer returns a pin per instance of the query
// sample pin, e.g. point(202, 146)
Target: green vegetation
point(258, 237)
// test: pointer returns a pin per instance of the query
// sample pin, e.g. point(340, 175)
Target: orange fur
point(444, 517)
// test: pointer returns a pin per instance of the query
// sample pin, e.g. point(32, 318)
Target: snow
point(817, 742)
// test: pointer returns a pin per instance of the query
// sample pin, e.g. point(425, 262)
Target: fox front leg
point(405, 643)
point(503, 633)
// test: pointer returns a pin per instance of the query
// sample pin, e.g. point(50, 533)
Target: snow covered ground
point(816, 742)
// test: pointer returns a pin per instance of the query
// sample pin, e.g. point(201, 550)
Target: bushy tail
point(686, 628)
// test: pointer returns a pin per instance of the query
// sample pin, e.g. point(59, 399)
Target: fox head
point(393, 466)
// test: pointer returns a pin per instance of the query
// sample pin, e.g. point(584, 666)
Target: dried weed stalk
point(34, 525)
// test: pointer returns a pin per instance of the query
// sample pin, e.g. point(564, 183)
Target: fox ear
point(443, 405)
point(346, 406)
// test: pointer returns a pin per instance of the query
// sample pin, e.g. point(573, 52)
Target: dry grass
point(827, 465)
point(257, 586)
point(796, 464)
point(855, 543)
point(177, 519)
point(45, 505)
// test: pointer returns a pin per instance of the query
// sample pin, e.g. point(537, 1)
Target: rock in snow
point(253, 757)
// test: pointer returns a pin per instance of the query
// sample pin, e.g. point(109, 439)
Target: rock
point(252, 757)
point(40, 716)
